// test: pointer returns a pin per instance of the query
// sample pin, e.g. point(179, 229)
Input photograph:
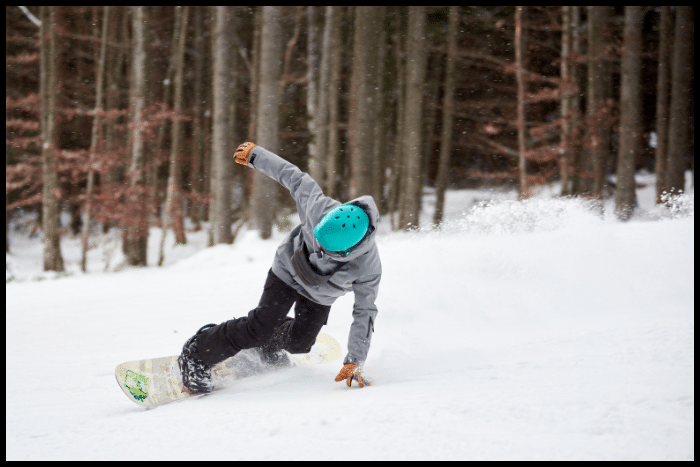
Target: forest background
point(127, 117)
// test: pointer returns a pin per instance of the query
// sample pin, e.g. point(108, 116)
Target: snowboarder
point(331, 253)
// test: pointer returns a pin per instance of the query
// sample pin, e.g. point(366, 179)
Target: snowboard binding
point(272, 353)
point(196, 375)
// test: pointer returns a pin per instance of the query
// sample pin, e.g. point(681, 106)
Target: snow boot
point(196, 375)
point(273, 353)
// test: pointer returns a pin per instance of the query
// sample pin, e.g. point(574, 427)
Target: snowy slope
point(534, 330)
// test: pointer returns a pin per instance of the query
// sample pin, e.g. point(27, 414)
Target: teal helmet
point(342, 228)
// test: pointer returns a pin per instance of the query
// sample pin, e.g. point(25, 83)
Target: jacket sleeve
point(364, 314)
point(312, 204)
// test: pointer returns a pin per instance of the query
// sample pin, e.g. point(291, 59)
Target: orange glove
point(243, 153)
point(349, 372)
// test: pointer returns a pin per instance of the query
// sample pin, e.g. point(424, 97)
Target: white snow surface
point(534, 330)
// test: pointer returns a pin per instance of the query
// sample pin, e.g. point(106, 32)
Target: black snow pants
point(266, 326)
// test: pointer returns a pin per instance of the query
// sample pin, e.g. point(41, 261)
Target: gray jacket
point(359, 272)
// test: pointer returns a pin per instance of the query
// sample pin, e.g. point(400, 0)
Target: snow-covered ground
point(536, 330)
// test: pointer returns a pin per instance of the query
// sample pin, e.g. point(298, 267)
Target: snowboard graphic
point(156, 381)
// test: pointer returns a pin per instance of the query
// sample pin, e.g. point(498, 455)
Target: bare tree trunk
point(681, 96)
point(333, 16)
point(577, 77)
point(255, 78)
point(362, 108)
point(264, 188)
point(630, 112)
point(96, 136)
point(321, 115)
point(416, 54)
point(567, 99)
point(222, 163)
point(575, 99)
point(238, 203)
point(196, 185)
point(397, 173)
point(253, 95)
point(379, 160)
point(430, 105)
point(172, 213)
point(8, 152)
point(51, 225)
point(136, 241)
point(313, 91)
point(663, 86)
point(520, 124)
point(448, 106)
point(598, 89)
point(115, 78)
point(168, 83)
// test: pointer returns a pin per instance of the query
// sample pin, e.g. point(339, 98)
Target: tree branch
point(31, 17)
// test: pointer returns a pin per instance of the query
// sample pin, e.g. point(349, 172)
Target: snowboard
point(156, 381)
